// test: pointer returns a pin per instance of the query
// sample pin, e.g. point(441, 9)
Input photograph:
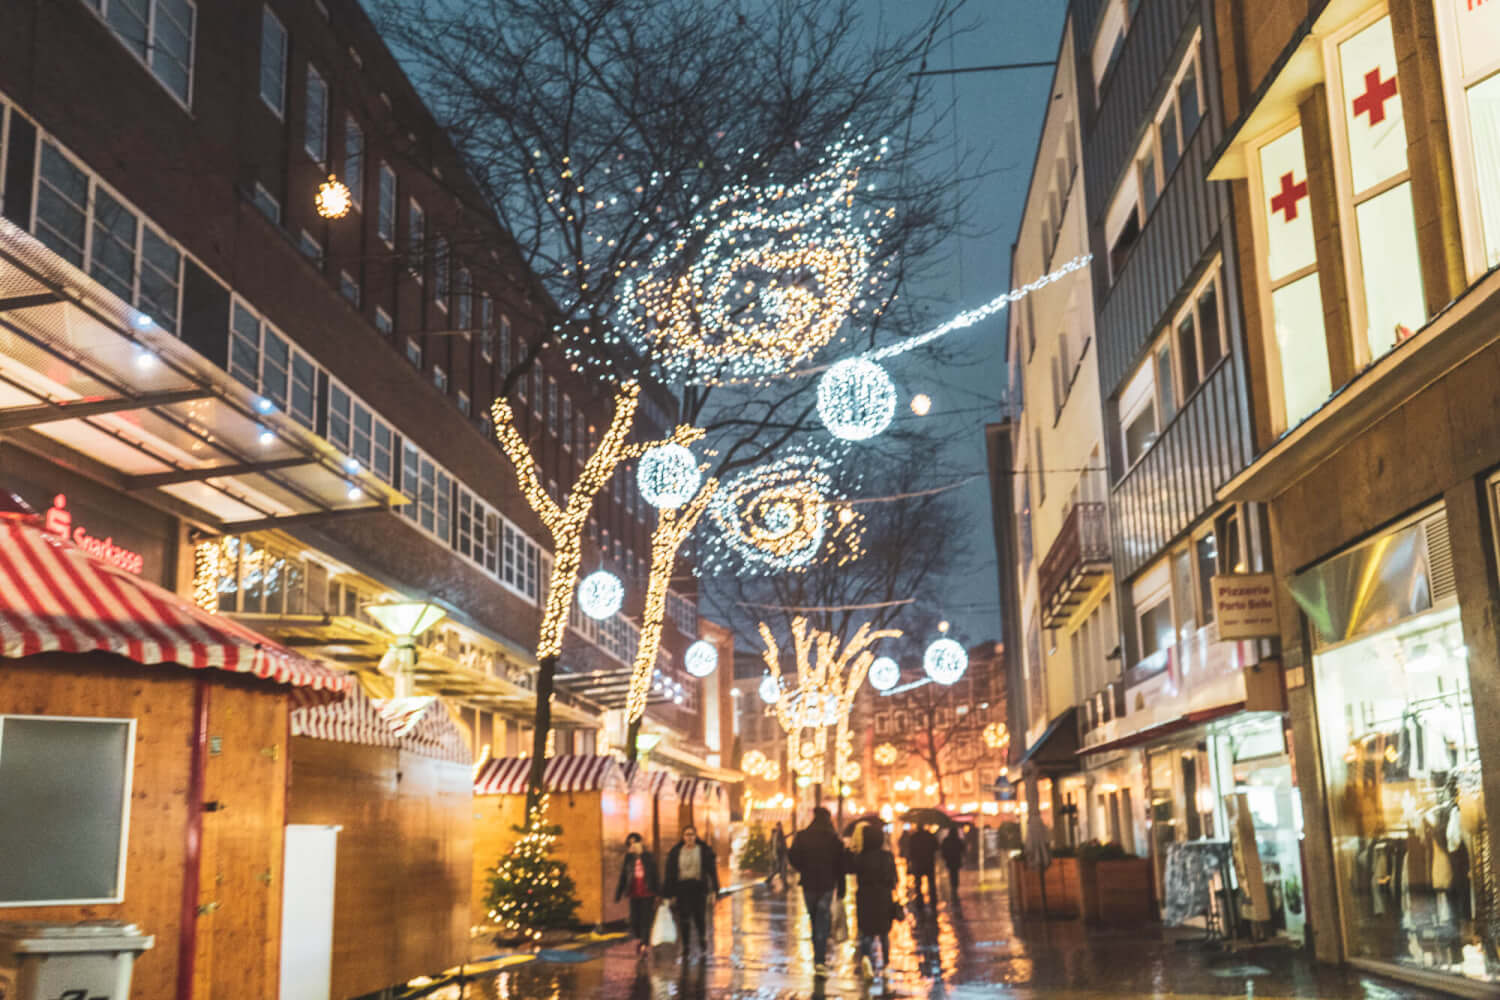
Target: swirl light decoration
point(770, 690)
point(601, 594)
point(762, 278)
point(780, 517)
point(856, 399)
point(886, 754)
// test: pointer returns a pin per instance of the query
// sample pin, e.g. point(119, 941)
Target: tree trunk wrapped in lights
point(828, 678)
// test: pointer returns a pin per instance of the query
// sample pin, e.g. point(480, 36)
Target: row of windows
point(160, 34)
point(683, 613)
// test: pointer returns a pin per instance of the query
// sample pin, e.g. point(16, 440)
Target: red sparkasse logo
point(59, 522)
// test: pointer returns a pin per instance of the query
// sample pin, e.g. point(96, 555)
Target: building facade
point(1362, 165)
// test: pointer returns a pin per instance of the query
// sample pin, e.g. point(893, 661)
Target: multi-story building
point(1362, 164)
point(760, 746)
point(287, 415)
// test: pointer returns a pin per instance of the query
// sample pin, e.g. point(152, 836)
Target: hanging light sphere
point(945, 661)
point(856, 399)
point(884, 674)
point(668, 476)
point(770, 691)
point(885, 754)
point(851, 772)
point(701, 658)
point(333, 199)
point(600, 594)
point(921, 404)
point(753, 762)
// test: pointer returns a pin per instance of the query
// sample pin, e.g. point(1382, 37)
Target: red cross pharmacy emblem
point(1286, 201)
point(1377, 92)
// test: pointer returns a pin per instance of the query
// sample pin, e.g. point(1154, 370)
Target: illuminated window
point(354, 160)
point(272, 62)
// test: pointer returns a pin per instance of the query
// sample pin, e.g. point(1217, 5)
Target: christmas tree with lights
point(530, 891)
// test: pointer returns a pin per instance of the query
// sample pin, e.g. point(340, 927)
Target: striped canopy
point(695, 790)
point(575, 773)
point(353, 719)
point(425, 726)
point(654, 783)
point(54, 597)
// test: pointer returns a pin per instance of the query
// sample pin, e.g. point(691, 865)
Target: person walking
point(875, 882)
point(778, 855)
point(692, 877)
point(954, 849)
point(817, 853)
point(921, 862)
point(639, 882)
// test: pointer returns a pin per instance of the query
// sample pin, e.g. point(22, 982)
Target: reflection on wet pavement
point(976, 950)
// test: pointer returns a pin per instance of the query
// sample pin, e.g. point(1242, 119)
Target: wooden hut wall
point(666, 821)
point(401, 885)
point(238, 940)
point(592, 845)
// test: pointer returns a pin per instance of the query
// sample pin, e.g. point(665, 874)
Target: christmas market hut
point(703, 804)
point(142, 764)
point(589, 800)
point(654, 810)
point(391, 782)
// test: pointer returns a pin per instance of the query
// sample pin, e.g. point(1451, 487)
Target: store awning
point(1164, 729)
point(352, 719)
point(54, 597)
point(567, 773)
point(691, 790)
point(424, 726)
point(1057, 748)
point(653, 783)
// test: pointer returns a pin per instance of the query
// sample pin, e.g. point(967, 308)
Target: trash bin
point(87, 961)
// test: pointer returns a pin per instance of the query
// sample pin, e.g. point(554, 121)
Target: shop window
point(354, 160)
point(1184, 594)
point(1470, 33)
point(1375, 182)
point(385, 208)
point(64, 849)
point(315, 126)
point(272, 62)
point(1300, 349)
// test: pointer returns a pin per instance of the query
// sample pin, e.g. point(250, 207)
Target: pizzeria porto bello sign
point(1245, 606)
point(59, 521)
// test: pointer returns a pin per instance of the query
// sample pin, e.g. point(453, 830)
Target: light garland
point(210, 560)
point(945, 661)
point(566, 524)
point(753, 763)
point(668, 476)
point(856, 399)
point(701, 658)
point(884, 674)
point(775, 271)
point(601, 594)
point(672, 529)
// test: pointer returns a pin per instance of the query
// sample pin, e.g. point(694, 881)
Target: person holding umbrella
point(921, 860)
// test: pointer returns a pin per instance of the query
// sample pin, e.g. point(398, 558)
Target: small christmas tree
point(757, 855)
point(530, 891)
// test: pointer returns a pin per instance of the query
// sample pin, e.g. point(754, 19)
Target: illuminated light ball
point(945, 661)
point(701, 658)
point(668, 476)
point(886, 754)
point(333, 199)
point(996, 735)
point(771, 771)
point(770, 691)
point(884, 674)
point(921, 404)
point(851, 772)
point(601, 594)
point(753, 762)
point(809, 750)
point(856, 399)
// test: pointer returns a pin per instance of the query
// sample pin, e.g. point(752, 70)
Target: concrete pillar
point(1317, 146)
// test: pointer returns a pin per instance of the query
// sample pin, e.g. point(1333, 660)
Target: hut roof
point(655, 783)
point(691, 790)
point(425, 726)
point(567, 773)
point(420, 725)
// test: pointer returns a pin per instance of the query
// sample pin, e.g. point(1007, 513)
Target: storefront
point(1396, 724)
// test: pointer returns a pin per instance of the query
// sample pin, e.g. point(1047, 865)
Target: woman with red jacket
point(638, 880)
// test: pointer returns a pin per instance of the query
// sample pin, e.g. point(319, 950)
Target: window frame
point(416, 239)
point(414, 352)
point(387, 207)
point(315, 82)
point(1212, 278)
point(1461, 138)
point(278, 109)
point(354, 179)
point(100, 9)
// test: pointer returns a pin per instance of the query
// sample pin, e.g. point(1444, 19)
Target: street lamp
point(405, 620)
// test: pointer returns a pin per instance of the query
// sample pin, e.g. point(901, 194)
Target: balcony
point(1077, 560)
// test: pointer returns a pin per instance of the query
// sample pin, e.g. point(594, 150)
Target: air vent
point(1439, 558)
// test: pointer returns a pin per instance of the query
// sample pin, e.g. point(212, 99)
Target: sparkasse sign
point(1245, 605)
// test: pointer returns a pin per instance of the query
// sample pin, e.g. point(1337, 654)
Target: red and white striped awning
point(424, 726)
point(56, 598)
point(653, 783)
point(352, 719)
point(694, 790)
point(576, 773)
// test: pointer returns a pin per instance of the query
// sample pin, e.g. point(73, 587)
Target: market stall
point(590, 800)
point(394, 778)
point(654, 809)
point(167, 727)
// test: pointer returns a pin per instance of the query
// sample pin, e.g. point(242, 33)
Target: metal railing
point(1081, 545)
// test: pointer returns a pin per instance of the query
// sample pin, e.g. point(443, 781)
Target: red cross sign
point(1375, 95)
point(1286, 201)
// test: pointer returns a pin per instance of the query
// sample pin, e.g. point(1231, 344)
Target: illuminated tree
point(530, 890)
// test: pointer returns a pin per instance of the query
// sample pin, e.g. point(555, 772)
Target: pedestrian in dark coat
point(778, 855)
point(638, 881)
point(953, 856)
point(692, 879)
point(818, 855)
point(875, 881)
point(921, 861)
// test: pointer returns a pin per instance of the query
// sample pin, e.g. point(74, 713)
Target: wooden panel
point(495, 817)
point(402, 886)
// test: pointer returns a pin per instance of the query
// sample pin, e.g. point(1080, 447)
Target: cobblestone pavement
point(966, 952)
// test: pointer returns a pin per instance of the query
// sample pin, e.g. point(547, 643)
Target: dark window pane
point(1187, 347)
point(1208, 328)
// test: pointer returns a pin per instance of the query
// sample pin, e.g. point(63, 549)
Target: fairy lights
point(668, 476)
point(884, 674)
point(945, 661)
point(600, 594)
point(565, 523)
point(856, 399)
point(996, 735)
point(701, 658)
point(782, 516)
point(333, 199)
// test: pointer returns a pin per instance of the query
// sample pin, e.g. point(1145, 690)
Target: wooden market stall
point(654, 809)
point(589, 800)
point(703, 803)
point(395, 777)
point(174, 778)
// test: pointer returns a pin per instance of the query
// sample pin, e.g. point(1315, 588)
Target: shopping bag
point(663, 928)
point(840, 927)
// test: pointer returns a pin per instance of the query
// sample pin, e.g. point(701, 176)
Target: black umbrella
point(866, 818)
point(927, 817)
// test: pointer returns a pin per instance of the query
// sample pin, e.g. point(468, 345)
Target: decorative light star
point(333, 199)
